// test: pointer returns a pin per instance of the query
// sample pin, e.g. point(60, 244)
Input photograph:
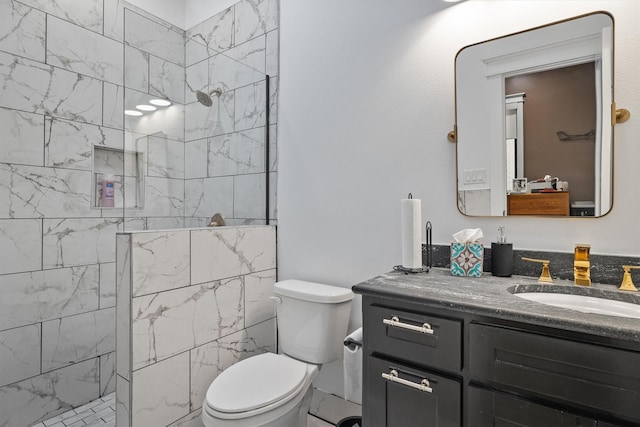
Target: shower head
point(205, 98)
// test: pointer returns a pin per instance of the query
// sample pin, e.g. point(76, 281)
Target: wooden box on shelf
point(551, 203)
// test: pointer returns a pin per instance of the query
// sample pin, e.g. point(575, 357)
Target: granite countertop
point(493, 296)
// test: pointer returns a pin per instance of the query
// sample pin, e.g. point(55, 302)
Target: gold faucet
point(627, 282)
point(545, 276)
point(582, 265)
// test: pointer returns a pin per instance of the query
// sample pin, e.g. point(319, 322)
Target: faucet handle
point(627, 282)
point(217, 220)
point(545, 275)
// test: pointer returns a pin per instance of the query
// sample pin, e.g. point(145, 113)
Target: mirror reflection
point(533, 113)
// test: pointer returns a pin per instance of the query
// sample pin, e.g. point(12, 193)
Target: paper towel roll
point(411, 233)
point(353, 366)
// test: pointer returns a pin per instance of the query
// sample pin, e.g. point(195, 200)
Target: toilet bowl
point(266, 390)
point(274, 390)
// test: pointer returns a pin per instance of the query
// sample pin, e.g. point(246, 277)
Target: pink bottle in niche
point(107, 191)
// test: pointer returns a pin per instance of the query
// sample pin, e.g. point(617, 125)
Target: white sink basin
point(585, 304)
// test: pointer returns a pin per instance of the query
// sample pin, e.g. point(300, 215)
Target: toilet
point(274, 390)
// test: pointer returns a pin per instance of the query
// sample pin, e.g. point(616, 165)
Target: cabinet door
point(572, 373)
point(490, 408)
point(397, 402)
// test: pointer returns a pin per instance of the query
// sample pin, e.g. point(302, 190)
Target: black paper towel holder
point(429, 255)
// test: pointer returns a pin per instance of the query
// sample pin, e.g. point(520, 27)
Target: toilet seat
point(256, 385)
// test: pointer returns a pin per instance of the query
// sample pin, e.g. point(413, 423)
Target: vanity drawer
point(403, 396)
point(418, 338)
point(588, 375)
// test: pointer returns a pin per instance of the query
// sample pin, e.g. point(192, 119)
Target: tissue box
point(466, 259)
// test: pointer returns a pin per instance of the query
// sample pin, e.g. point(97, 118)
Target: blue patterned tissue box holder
point(466, 259)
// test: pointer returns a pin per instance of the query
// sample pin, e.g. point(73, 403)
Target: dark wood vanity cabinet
point(492, 408)
point(400, 389)
point(490, 372)
point(396, 404)
point(566, 372)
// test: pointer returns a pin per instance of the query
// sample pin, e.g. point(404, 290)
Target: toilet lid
point(256, 382)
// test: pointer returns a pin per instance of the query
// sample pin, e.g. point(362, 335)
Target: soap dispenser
point(501, 256)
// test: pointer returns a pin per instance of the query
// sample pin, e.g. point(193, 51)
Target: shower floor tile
point(102, 413)
point(99, 413)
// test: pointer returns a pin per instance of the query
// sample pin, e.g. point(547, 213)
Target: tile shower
point(190, 304)
point(67, 71)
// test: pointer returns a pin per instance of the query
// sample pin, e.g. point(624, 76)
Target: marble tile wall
point(200, 160)
point(68, 68)
point(154, 57)
point(190, 304)
point(225, 143)
point(61, 78)
point(214, 149)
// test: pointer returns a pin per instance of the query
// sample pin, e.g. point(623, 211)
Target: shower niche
point(117, 178)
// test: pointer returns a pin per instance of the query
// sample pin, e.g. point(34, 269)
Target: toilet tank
point(312, 320)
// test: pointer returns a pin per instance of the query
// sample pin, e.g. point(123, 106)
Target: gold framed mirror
point(536, 107)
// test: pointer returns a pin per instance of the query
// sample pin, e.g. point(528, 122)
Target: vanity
point(440, 350)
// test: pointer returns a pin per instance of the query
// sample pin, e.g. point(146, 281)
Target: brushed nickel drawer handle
point(394, 378)
point(395, 321)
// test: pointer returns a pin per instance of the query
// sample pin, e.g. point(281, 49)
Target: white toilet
point(274, 390)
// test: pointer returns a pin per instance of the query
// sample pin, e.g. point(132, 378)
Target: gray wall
point(366, 101)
